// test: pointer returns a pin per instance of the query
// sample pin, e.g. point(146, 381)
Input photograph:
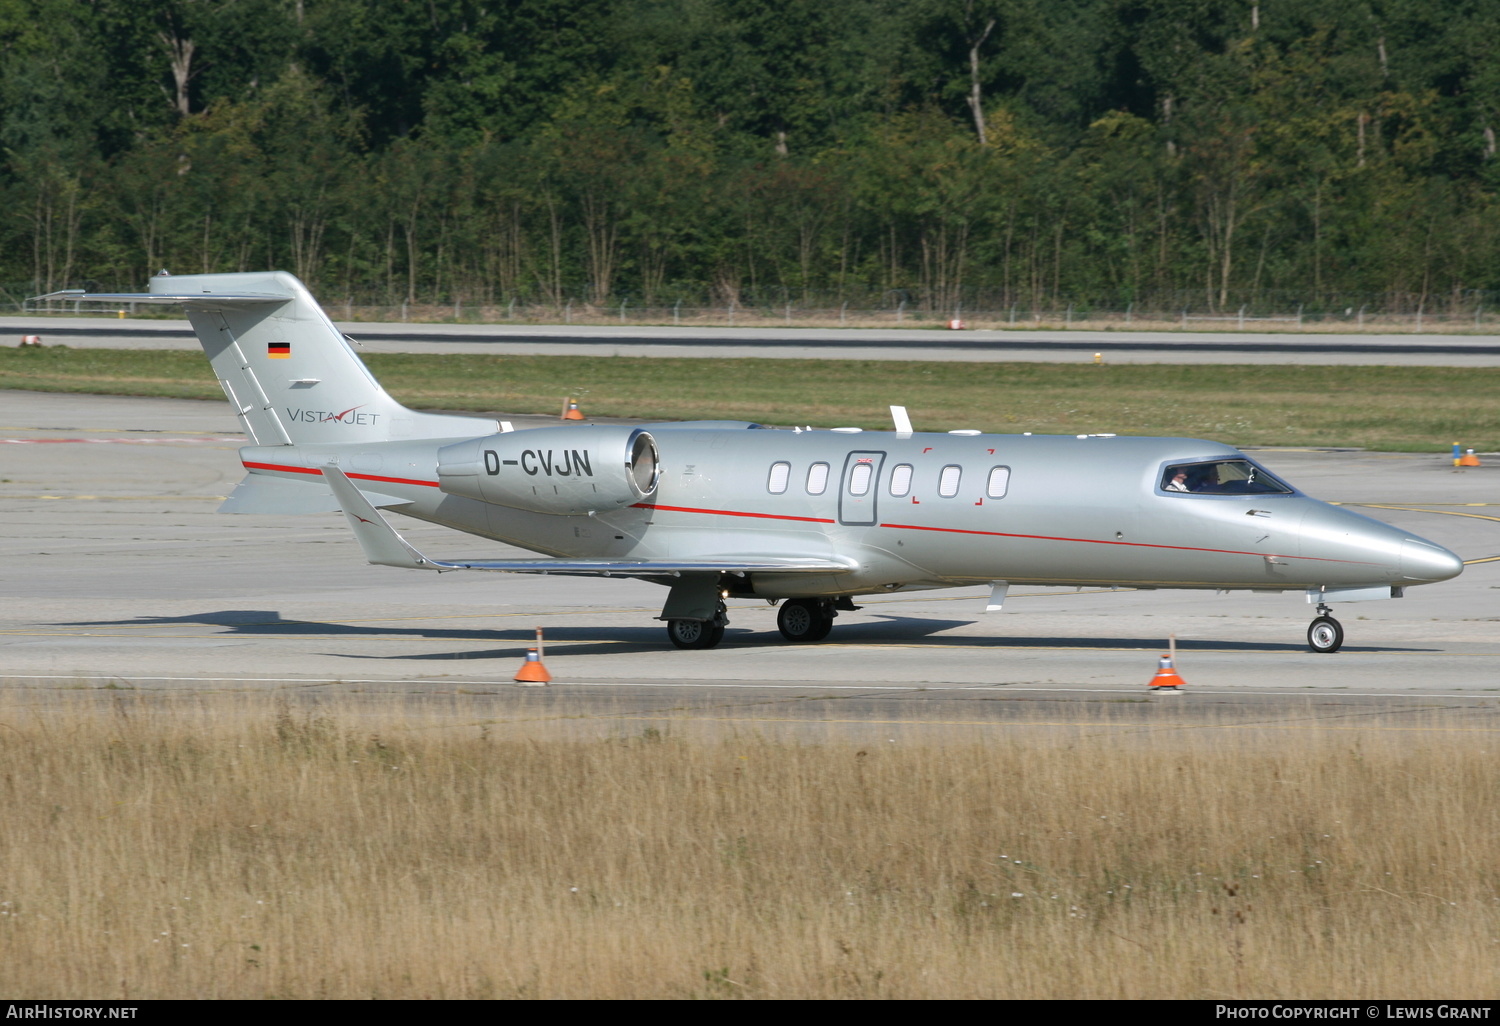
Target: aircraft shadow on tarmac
point(270, 622)
point(563, 640)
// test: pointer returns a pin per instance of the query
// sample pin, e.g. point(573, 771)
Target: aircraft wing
point(384, 547)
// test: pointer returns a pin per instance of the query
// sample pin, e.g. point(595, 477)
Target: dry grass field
point(230, 846)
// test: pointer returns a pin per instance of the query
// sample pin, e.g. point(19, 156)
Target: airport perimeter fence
point(1470, 310)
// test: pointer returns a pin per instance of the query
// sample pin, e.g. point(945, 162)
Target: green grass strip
point(1397, 409)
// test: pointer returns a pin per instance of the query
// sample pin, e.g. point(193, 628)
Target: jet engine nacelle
point(563, 470)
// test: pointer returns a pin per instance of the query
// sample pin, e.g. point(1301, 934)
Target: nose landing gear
point(1325, 634)
point(698, 633)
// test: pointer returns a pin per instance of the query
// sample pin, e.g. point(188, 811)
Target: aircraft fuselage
point(929, 510)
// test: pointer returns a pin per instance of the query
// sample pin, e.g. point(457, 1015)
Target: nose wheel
point(1325, 634)
point(697, 633)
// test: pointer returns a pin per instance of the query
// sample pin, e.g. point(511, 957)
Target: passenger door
point(860, 488)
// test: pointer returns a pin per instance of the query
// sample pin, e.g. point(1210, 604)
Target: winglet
point(380, 542)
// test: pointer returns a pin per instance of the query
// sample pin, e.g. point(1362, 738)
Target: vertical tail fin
point(290, 374)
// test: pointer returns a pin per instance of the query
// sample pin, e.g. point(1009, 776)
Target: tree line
point(604, 151)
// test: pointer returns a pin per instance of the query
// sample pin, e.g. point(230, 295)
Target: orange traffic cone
point(1468, 459)
point(571, 410)
point(532, 671)
point(1167, 680)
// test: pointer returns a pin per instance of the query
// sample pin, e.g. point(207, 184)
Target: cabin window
point(948, 481)
point(817, 479)
point(781, 472)
point(859, 478)
point(1222, 477)
point(901, 479)
point(999, 482)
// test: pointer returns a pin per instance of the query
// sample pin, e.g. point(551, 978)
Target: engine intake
point(566, 471)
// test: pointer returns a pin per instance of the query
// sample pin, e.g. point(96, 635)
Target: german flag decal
point(279, 350)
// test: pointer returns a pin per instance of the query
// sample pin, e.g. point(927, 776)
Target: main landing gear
point(698, 633)
point(1325, 634)
point(802, 620)
point(805, 619)
point(696, 620)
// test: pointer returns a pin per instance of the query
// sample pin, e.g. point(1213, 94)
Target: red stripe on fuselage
point(357, 477)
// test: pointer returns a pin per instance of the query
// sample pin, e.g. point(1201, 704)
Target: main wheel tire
point(804, 620)
point(1325, 634)
point(695, 633)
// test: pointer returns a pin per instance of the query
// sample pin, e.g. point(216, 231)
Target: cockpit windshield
point(1222, 477)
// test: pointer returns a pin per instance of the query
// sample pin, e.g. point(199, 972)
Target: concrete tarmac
point(117, 573)
point(1342, 348)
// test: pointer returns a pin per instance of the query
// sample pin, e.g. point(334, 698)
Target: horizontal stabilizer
point(384, 547)
point(259, 493)
point(207, 302)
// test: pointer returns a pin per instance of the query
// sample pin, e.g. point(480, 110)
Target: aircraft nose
point(1425, 562)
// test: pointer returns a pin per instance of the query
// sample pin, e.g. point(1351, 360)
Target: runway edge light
point(1167, 680)
point(533, 673)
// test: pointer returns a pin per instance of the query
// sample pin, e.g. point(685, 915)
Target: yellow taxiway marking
point(1426, 509)
point(1438, 512)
